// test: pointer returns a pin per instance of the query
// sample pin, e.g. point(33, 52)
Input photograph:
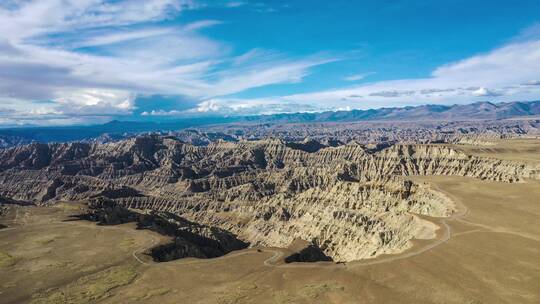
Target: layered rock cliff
point(351, 201)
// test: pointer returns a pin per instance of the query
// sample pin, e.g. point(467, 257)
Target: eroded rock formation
point(353, 201)
point(188, 239)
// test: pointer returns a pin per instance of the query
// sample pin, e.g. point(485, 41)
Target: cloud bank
point(508, 73)
point(91, 58)
point(87, 61)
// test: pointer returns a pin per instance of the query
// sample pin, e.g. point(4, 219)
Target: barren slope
point(351, 201)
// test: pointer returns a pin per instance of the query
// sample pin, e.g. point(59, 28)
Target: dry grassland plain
point(488, 252)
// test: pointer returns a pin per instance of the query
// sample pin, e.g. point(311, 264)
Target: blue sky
point(90, 61)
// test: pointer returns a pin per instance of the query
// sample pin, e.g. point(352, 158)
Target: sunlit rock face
point(351, 201)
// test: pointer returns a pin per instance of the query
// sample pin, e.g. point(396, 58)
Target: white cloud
point(44, 56)
point(24, 19)
point(356, 77)
point(533, 82)
point(121, 36)
point(162, 113)
point(201, 24)
point(235, 4)
point(503, 74)
point(238, 106)
point(208, 106)
point(71, 59)
point(485, 92)
point(392, 93)
point(96, 101)
point(263, 72)
point(514, 63)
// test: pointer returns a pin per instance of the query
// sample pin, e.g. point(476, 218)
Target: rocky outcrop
point(373, 132)
point(354, 201)
point(189, 239)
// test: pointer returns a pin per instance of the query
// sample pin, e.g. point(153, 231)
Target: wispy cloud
point(66, 61)
point(234, 106)
point(356, 77)
point(508, 73)
point(93, 57)
point(24, 19)
point(235, 3)
point(121, 36)
point(483, 92)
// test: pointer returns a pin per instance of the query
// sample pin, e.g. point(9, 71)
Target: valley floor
point(487, 253)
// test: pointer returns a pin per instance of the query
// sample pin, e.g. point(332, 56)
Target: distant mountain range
point(474, 111)
point(119, 129)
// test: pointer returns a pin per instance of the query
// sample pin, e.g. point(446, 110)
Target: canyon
point(296, 213)
point(349, 201)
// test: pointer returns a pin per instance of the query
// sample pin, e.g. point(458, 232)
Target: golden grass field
point(489, 252)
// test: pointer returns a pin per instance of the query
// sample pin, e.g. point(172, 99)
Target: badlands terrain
point(266, 213)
